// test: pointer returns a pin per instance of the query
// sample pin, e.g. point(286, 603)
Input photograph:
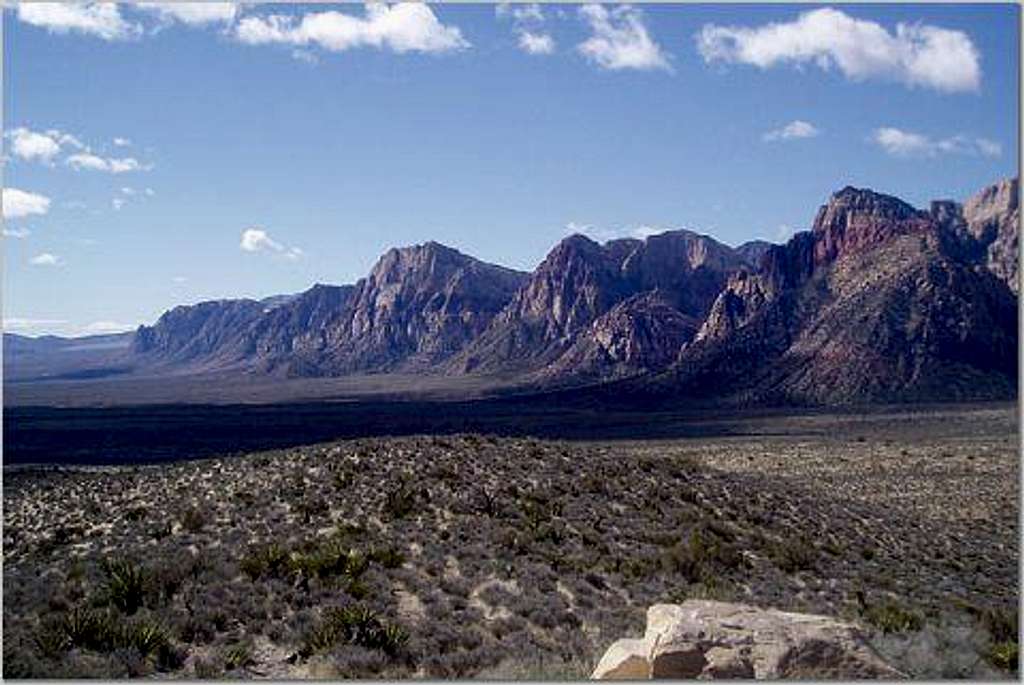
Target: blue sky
point(171, 154)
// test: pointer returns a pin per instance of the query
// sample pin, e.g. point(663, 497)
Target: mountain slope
point(418, 306)
point(871, 305)
point(580, 281)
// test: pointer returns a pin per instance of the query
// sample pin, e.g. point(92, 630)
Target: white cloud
point(46, 259)
point(256, 239)
point(179, 279)
point(33, 146)
point(117, 203)
point(988, 148)
point(402, 27)
point(149, 192)
point(17, 233)
point(519, 13)
point(122, 142)
point(92, 162)
point(193, 13)
point(643, 232)
point(784, 233)
point(794, 129)
point(916, 55)
point(294, 253)
point(21, 203)
point(536, 43)
point(900, 143)
point(527, 20)
point(100, 19)
point(65, 139)
point(620, 40)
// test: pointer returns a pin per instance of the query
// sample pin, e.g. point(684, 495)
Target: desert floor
point(479, 556)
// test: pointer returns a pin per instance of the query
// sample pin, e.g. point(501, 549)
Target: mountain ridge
point(877, 300)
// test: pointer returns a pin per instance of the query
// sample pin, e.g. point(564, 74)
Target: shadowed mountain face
point(879, 301)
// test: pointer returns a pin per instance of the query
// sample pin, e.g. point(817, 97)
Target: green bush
point(1005, 655)
point(794, 554)
point(400, 502)
point(50, 639)
point(355, 625)
point(892, 618)
point(265, 561)
point(237, 655)
point(388, 557)
point(126, 584)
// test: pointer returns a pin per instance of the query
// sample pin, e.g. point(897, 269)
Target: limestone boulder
point(707, 639)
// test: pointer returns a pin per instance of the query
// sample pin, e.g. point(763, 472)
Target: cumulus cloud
point(793, 130)
point(46, 259)
point(93, 162)
point(900, 143)
point(258, 240)
point(915, 55)
point(100, 19)
point(527, 21)
point(536, 43)
point(17, 233)
point(620, 40)
point(33, 146)
point(521, 13)
point(402, 27)
point(192, 13)
point(117, 203)
point(122, 142)
point(21, 203)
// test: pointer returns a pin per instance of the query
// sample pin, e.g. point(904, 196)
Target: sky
point(165, 154)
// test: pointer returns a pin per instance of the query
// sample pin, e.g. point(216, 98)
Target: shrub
point(194, 519)
point(388, 557)
point(145, 636)
point(237, 655)
point(265, 560)
point(1005, 655)
point(892, 618)
point(126, 584)
point(794, 554)
point(355, 625)
point(400, 502)
point(50, 639)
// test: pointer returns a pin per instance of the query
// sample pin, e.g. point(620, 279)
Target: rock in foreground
point(705, 639)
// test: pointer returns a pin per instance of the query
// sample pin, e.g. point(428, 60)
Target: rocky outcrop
point(203, 334)
point(878, 302)
point(706, 639)
point(418, 306)
point(753, 251)
point(640, 334)
point(581, 281)
point(992, 218)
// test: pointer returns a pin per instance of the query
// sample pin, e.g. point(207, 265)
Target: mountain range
point(878, 301)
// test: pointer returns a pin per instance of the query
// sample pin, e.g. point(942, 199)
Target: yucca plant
point(126, 584)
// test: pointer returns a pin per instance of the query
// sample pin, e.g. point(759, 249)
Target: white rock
point(705, 639)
